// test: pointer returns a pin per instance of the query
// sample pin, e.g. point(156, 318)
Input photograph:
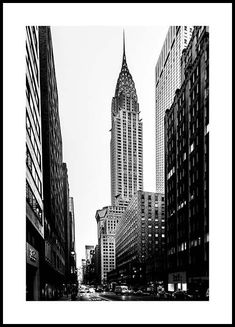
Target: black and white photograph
point(150, 245)
point(116, 160)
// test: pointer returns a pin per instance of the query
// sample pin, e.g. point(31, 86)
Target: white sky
point(87, 62)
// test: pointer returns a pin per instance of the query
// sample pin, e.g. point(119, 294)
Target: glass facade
point(34, 203)
point(168, 79)
point(187, 164)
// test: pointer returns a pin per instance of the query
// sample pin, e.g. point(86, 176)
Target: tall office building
point(140, 240)
point(126, 144)
point(34, 183)
point(187, 170)
point(54, 270)
point(107, 220)
point(168, 79)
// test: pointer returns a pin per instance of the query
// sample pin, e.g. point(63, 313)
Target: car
point(91, 290)
point(162, 295)
point(141, 292)
point(121, 289)
point(99, 289)
point(181, 295)
point(83, 289)
point(129, 292)
point(138, 292)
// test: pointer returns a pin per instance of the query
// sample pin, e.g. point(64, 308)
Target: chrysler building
point(126, 146)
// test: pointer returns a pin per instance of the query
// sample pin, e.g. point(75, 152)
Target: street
point(110, 296)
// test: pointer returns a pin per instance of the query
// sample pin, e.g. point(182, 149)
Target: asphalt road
point(110, 296)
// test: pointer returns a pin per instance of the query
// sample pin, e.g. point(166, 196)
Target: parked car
point(99, 289)
point(121, 289)
point(141, 292)
point(138, 292)
point(162, 295)
point(131, 292)
point(181, 295)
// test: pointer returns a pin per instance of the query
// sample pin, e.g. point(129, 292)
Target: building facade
point(167, 79)
point(107, 220)
point(126, 144)
point(34, 180)
point(54, 230)
point(89, 252)
point(140, 240)
point(66, 223)
point(73, 255)
point(187, 170)
point(89, 268)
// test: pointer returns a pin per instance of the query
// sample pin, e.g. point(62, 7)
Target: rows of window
point(33, 171)
point(33, 140)
point(32, 79)
point(33, 44)
point(32, 107)
point(32, 201)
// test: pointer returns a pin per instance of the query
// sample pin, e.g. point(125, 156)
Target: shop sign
point(32, 255)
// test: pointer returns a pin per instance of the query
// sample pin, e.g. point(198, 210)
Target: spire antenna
point(124, 42)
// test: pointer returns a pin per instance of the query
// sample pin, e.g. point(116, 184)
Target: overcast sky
point(87, 62)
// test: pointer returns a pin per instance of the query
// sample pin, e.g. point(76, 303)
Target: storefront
point(177, 281)
point(32, 274)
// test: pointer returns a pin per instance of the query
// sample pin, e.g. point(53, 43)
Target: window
point(192, 147)
point(30, 198)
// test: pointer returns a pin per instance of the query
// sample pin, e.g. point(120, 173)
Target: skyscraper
point(187, 170)
point(140, 240)
point(34, 183)
point(168, 79)
point(126, 144)
point(54, 231)
point(107, 220)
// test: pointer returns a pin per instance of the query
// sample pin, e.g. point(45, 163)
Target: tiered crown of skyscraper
point(125, 84)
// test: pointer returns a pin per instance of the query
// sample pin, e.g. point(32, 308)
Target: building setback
point(54, 265)
point(126, 144)
point(140, 240)
point(168, 79)
point(34, 182)
point(107, 220)
point(186, 170)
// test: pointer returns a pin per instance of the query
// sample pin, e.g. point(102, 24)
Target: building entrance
point(31, 283)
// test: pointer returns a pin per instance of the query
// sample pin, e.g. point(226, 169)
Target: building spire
point(124, 50)
point(124, 42)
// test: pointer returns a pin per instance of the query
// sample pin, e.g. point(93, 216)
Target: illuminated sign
point(32, 255)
